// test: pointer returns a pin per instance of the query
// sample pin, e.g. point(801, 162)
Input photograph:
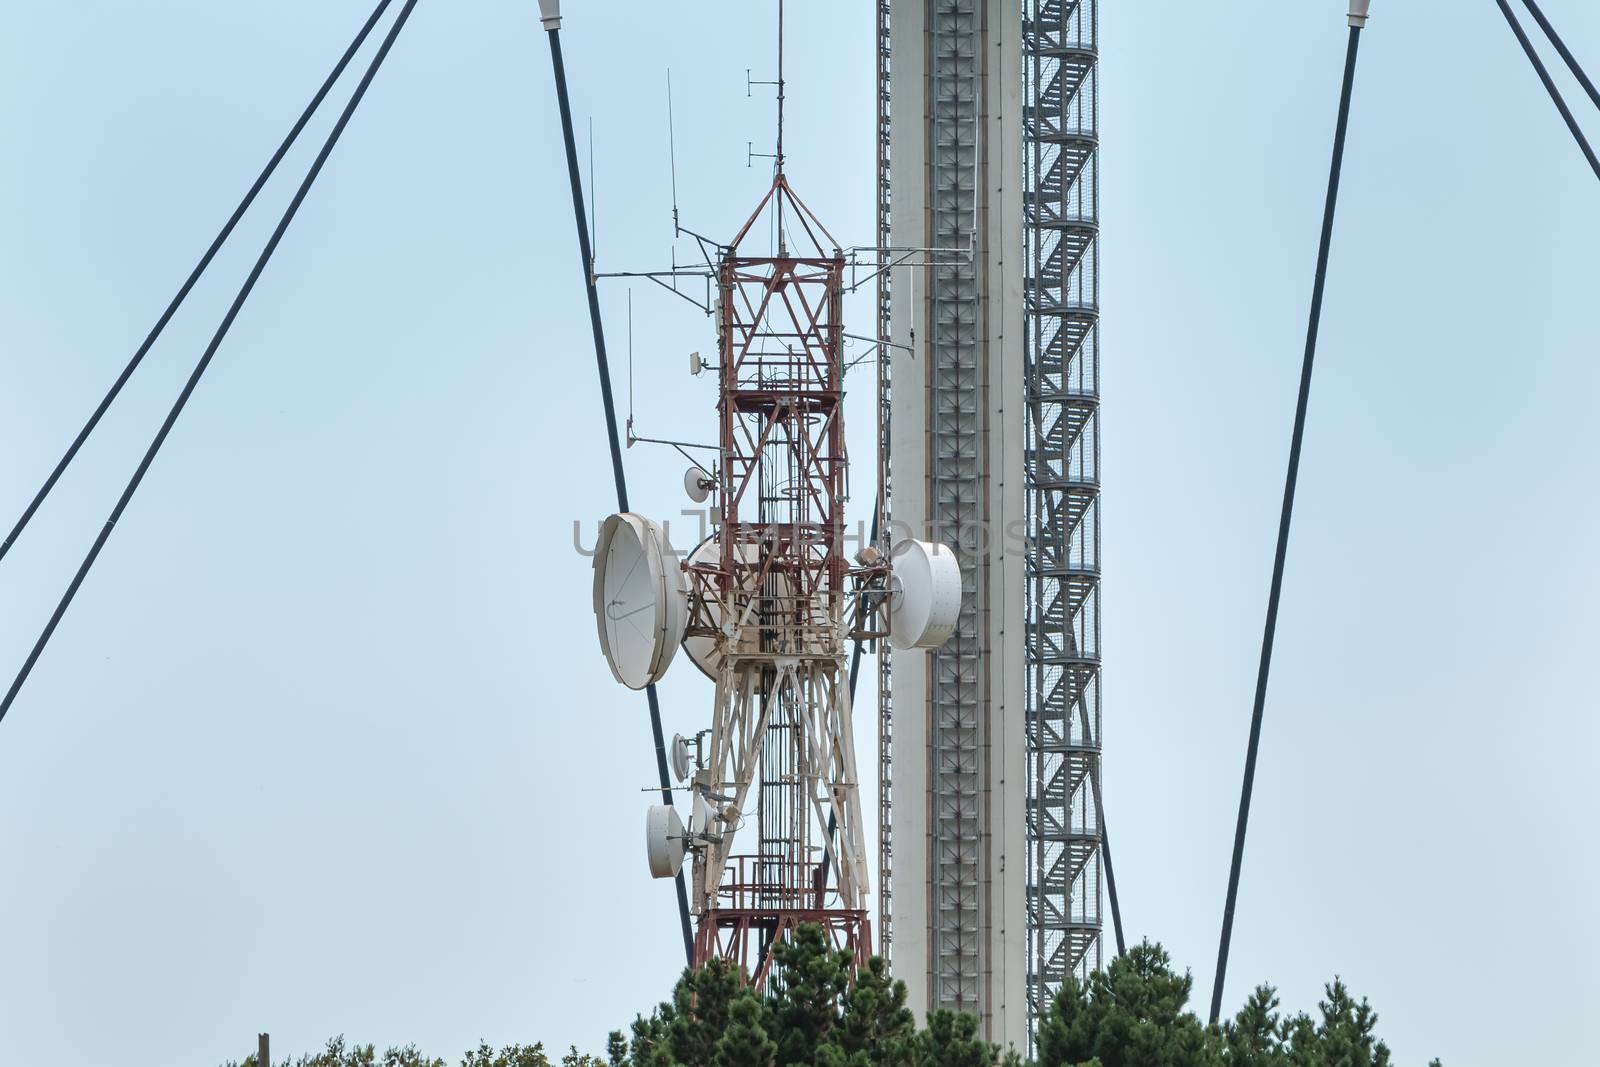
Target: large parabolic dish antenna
point(640, 599)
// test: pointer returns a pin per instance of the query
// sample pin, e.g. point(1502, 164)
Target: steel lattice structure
point(1061, 290)
point(957, 505)
point(770, 596)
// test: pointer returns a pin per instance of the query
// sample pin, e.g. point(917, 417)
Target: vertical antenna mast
point(672, 157)
point(778, 201)
point(780, 89)
point(594, 225)
point(630, 367)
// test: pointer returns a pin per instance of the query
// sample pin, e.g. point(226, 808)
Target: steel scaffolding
point(1061, 293)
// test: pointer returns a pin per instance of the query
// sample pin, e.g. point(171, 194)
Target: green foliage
point(876, 1028)
point(1129, 1015)
point(338, 1054)
point(523, 1056)
point(1259, 1037)
point(1255, 1036)
point(745, 1042)
point(815, 1014)
point(952, 1040)
point(1135, 1015)
point(808, 994)
point(812, 1014)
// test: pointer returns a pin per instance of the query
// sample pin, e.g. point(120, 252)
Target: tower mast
point(771, 615)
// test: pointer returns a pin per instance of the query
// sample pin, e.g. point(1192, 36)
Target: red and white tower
point(776, 816)
point(767, 606)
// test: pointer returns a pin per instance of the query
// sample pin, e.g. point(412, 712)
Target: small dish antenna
point(679, 757)
point(924, 594)
point(696, 365)
point(697, 483)
point(641, 599)
point(663, 840)
point(700, 816)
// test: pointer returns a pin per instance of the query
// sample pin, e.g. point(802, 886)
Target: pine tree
point(876, 1028)
point(651, 1045)
point(1255, 1037)
point(951, 1040)
point(745, 1042)
point(815, 1013)
point(807, 993)
point(1130, 1015)
point(700, 1014)
point(1343, 1038)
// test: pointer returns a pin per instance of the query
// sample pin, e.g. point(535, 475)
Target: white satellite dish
point(702, 649)
point(696, 364)
point(697, 483)
point(641, 602)
point(678, 756)
point(663, 840)
point(700, 816)
point(925, 594)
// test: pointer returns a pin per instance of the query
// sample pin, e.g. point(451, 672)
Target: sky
point(326, 744)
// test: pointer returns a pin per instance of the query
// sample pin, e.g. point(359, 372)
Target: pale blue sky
point(326, 743)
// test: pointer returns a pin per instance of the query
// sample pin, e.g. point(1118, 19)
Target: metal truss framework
point(1061, 292)
point(770, 598)
point(957, 495)
point(885, 495)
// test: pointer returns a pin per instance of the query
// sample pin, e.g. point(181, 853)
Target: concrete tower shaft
point(993, 445)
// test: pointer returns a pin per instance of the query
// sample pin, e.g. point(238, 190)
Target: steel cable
point(1284, 519)
point(617, 474)
point(205, 359)
point(1105, 855)
point(850, 685)
point(194, 276)
point(1550, 86)
point(1566, 54)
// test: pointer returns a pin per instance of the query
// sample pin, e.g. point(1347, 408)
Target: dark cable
point(855, 669)
point(1561, 46)
point(194, 276)
point(1105, 856)
point(205, 360)
point(1550, 86)
point(1283, 521)
point(611, 428)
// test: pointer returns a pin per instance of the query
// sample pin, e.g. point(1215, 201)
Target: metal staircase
point(1061, 313)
